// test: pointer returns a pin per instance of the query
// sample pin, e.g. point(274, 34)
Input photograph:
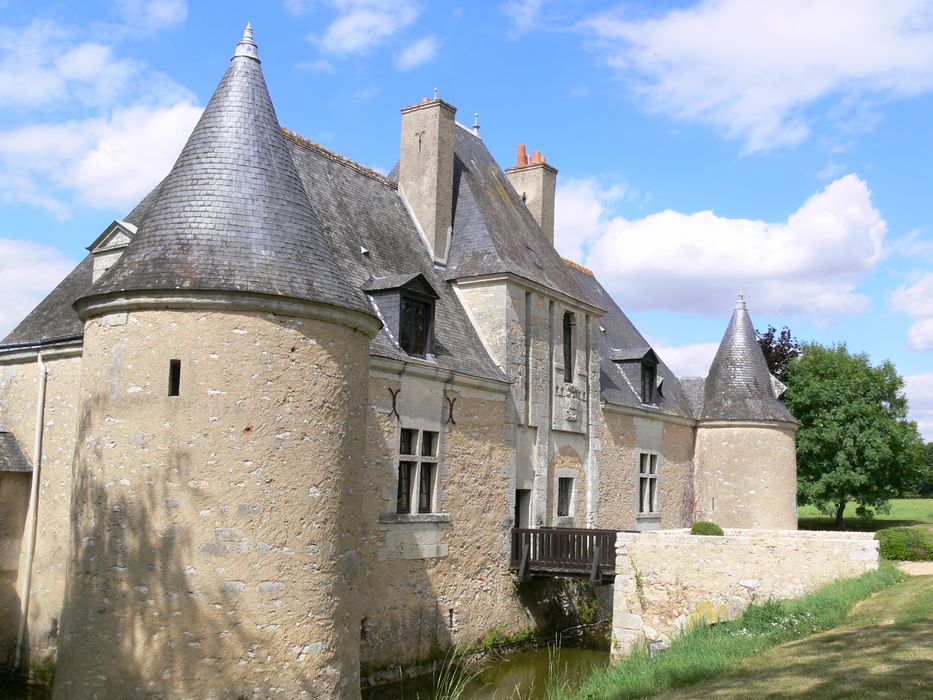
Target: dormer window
point(649, 377)
point(406, 305)
point(639, 365)
point(109, 246)
point(414, 331)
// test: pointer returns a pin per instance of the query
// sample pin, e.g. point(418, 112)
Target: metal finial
point(740, 304)
point(476, 123)
point(247, 47)
point(435, 93)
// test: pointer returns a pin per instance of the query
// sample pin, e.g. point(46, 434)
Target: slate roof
point(693, 388)
point(738, 386)
point(493, 230)
point(232, 214)
point(12, 458)
point(361, 209)
point(623, 339)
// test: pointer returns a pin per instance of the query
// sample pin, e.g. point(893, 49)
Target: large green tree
point(855, 442)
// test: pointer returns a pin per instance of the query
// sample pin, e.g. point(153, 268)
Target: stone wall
point(747, 475)
point(19, 382)
point(625, 435)
point(669, 580)
point(214, 550)
point(442, 578)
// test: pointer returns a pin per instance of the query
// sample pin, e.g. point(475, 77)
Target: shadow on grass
point(874, 662)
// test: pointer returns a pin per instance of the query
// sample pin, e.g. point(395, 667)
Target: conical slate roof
point(232, 215)
point(739, 384)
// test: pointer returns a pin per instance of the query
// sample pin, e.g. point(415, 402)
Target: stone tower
point(215, 532)
point(746, 465)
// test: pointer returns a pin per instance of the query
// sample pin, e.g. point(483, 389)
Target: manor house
point(280, 422)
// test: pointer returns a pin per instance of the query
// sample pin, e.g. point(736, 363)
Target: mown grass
point(882, 651)
point(904, 512)
point(706, 652)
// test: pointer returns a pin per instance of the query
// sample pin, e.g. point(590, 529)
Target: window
point(649, 374)
point(648, 484)
point(174, 377)
point(569, 323)
point(414, 331)
point(564, 496)
point(417, 469)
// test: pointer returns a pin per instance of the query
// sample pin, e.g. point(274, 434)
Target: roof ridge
point(305, 142)
point(577, 266)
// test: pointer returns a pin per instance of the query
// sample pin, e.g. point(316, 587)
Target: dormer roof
point(116, 235)
point(641, 353)
point(739, 385)
point(413, 282)
point(232, 215)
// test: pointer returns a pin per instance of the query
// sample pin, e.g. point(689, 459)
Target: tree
point(779, 350)
point(855, 442)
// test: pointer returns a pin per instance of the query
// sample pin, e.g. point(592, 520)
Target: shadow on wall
point(14, 503)
point(129, 584)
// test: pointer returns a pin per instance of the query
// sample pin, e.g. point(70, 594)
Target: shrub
point(706, 527)
point(905, 544)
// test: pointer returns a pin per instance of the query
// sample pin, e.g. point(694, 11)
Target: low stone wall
point(669, 579)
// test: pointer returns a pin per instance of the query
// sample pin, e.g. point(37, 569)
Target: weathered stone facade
point(248, 487)
point(667, 581)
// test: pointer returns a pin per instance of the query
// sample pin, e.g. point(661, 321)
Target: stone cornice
point(782, 424)
point(211, 300)
point(426, 369)
point(525, 283)
point(646, 413)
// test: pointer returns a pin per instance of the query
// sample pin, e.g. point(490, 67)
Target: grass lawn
point(883, 650)
point(904, 511)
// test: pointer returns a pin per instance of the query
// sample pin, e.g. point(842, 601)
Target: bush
point(905, 544)
point(706, 527)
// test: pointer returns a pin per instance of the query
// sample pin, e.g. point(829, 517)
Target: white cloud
point(420, 52)
point(691, 360)
point(920, 396)
point(28, 271)
point(914, 245)
point(916, 298)
point(146, 16)
point(100, 129)
point(751, 68)
point(524, 14)
point(296, 8)
point(580, 213)
point(809, 264)
point(363, 24)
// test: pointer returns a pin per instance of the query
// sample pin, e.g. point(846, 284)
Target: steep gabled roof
point(361, 210)
point(493, 230)
point(618, 338)
point(738, 386)
point(232, 214)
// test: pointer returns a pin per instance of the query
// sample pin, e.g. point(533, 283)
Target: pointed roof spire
point(247, 47)
point(233, 215)
point(739, 383)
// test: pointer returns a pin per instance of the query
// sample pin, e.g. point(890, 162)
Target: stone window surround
point(434, 516)
point(659, 478)
point(566, 473)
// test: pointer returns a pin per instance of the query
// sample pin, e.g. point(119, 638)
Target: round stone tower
point(225, 375)
point(746, 459)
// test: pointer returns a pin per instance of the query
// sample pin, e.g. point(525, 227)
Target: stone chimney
point(536, 182)
point(426, 170)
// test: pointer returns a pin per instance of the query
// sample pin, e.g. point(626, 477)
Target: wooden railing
point(564, 552)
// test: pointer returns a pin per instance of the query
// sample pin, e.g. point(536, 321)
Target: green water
point(523, 674)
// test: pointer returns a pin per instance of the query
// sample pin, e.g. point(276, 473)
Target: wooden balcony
point(562, 551)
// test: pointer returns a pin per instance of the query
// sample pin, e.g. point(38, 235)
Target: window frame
point(569, 329)
point(649, 483)
point(649, 380)
point(418, 465)
point(565, 499)
point(406, 296)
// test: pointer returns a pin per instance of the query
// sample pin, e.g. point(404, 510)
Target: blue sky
point(781, 149)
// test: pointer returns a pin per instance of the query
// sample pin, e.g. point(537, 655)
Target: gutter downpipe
point(33, 510)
